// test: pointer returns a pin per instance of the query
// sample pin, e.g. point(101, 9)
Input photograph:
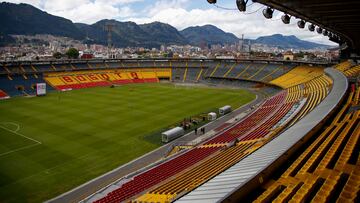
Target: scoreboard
point(40, 89)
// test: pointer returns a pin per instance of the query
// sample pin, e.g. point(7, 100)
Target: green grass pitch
point(51, 144)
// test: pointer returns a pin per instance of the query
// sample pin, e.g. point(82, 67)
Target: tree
point(300, 54)
point(72, 53)
point(57, 55)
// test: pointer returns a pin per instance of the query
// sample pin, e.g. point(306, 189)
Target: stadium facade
point(241, 155)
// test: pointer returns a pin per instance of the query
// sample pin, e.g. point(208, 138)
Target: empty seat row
point(314, 91)
point(17, 85)
point(269, 108)
point(328, 170)
point(86, 79)
point(353, 72)
point(249, 71)
point(345, 65)
point(298, 75)
point(158, 174)
point(192, 74)
point(202, 172)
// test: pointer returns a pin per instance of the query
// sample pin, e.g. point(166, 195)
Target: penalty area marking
point(11, 123)
point(19, 134)
point(19, 149)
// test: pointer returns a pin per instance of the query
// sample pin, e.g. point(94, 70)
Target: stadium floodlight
point(319, 30)
point(268, 12)
point(325, 33)
point(332, 36)
point(212, 1)
point(311, 27)
point(286, 19)
point(241, 4)
point(301, 24)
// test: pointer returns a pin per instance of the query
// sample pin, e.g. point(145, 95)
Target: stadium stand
point(178, 74)
point(263, 72)
point(4, 70)
point(242, 74)
point(14, 70)
point(304, 88)
point(192, 74)
point(212, 69)
point(272, 72)
point(194, 64)
point(254, 70)
point(44, 68)
point(62, 67)
point(229, 82)
point(328, 170)
point(352, 72)
point(249, 134)
point(298, 75)
point(87, 79)
point(314, 90)
point(27, 69)
point(222, 70)
point(253, 131)
point(268, 72)
point(343, 66)
point(112, 65)
point(230, 69)
point(234, 182)
point(157, 174)
point(238, 68)
point(214, 145)
point(185, 73)
point(130, 64)
point(83, 66)
point(197, 175)
point(20, 85)
point(249, 73)
point(241, 130)
point(3, 95)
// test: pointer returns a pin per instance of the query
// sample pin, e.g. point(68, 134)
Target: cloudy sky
point(178, 13)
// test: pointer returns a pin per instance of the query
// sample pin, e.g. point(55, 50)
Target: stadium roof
point(341, 17)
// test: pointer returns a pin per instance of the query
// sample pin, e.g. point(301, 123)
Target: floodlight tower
point(242, 42)
point(109, 29)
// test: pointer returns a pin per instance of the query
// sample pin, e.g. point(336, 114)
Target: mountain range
point(287, 42)
point(24, 19)
point(208, 34)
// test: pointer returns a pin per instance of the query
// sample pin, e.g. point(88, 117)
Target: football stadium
point(187, 129)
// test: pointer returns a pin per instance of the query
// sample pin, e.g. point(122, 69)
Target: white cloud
point(36, 3)
point(63, 5)
point(252, 25)
point(118, 2)
point(176, 13)
point(93, 12)
point(85, 11)
point(165, 4)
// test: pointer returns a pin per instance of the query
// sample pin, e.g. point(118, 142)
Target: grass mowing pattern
point(85, 133)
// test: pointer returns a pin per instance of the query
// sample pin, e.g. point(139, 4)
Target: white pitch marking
point(19, 149)
point(15, 124)
point(15, 132)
